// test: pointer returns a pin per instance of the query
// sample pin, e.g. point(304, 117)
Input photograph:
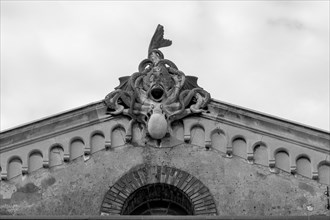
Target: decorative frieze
point(229, 140)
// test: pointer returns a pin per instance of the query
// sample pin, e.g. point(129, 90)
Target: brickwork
point(198, 194)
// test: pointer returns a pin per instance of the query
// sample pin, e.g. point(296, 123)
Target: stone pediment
point(217, 129)
point(159, 110)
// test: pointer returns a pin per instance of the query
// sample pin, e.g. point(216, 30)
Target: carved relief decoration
point(158, 94)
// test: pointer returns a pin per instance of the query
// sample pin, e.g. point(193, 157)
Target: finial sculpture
point(158, 94)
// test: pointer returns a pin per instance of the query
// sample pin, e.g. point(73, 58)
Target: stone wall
point(228, 160)
point(238, 187)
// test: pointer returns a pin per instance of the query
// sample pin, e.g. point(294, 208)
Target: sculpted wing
point(190, 83)
point(123, 83)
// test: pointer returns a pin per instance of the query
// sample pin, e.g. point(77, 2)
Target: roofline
point(46, 118)
point(214, 101)
point(273, 117)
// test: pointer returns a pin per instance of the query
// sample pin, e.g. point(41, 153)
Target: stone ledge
point(128, 217)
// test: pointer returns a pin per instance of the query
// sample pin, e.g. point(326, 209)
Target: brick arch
point(198, 194)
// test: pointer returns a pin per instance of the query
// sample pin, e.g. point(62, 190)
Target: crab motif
point(158, 94)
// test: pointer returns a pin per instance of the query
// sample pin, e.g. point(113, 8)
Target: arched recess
point(97, 142)
point(118, 136)
point(35, 161)
point(282, 160)
point(178, 129)
point(14, 167)
point(324, 172)
point(260, 154)
point(218, 140)
point(56, 155)
point(76, 148)
point(186, 193)
point(197, 135)
point(239, 147)
point(304, 166)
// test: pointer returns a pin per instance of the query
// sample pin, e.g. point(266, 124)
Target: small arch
point(56, 155)
point(238, 136)
point(260, 153)
point(282, 160)
point(121, 126)
point(97, 132)
point(97, 141)
point(218, 140)
point(35, 160)
point(77, 146)
point(197, 134)
point(304, 166)
point(178, 129)
point(118, 134)
point(281, 149)
point(239, 146)
point(14, 167)
point(324, 172)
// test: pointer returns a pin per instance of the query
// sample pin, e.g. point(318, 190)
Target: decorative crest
point(158, 94)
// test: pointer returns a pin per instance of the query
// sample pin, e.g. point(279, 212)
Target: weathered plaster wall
point(65, 164)
point(239, 188)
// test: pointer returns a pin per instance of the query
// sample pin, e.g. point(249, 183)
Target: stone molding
point(26, 134)
point(199, 195)
point(232, 121)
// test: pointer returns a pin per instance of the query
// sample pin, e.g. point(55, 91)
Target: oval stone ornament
point(157, 126)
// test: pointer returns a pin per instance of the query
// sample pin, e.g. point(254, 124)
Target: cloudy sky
point(272, 57)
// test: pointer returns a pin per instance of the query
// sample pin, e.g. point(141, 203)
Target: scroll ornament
point(158, 94)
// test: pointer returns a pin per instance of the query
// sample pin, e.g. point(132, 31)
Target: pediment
point(160, 106)
point(225, 128)
point(160, 117)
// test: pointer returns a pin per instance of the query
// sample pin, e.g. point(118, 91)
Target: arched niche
point(260, 154)
point(304, 166)
point(56, 156)
point(197, 136)
point(118, 137)
point(97, 142)
point(178, 129)
point(35, 161)
point(218, 140)
point(14, 167)
point(239, 147)
point(76, 148)
point(148, 189)
point(282, 160)
point(324, 173)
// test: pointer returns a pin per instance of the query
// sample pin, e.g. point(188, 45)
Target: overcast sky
point(272, 57)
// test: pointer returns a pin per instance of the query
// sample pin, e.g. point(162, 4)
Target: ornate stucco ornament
point(158, 94)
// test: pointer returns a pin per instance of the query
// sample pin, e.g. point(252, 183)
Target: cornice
point(270, 118)
point(269, 134)
point(222, 112)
